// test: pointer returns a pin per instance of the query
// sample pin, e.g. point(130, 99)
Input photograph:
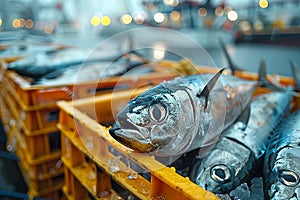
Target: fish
point(281, 173)
point(49, 66)
point(238, 155)
point(184, 114)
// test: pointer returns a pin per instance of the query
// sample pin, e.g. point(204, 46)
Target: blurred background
point(252, 29)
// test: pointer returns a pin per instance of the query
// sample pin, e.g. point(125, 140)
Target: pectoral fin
point(209, 86)
point(244, 117)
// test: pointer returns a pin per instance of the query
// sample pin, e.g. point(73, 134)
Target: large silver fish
point(238, 154)
point(282, 161)
point(183, 114)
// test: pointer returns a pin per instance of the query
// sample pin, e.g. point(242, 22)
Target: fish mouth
point(132, 138)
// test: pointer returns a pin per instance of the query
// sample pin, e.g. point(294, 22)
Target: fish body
point(172, 118)
point(44, 66)
point(239, 151)
point(282, 161)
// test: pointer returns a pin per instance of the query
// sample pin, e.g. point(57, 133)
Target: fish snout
point(132, 138)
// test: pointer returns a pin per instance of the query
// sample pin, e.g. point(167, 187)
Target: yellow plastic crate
point(37, 144)
point(42, 168)
point(78, 120)
point(41, 186)
point(47, 194)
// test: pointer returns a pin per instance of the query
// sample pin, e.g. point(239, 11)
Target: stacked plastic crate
point(32, 134)
point(32, 115)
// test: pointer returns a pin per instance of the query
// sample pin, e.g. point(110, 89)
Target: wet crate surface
point(83, 135)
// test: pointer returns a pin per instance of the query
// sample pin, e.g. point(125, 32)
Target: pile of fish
point(75, 65)
point(223, 137)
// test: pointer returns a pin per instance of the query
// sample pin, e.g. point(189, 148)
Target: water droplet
point(68, 148)
point(114, 164)
point(31, 173)
point(58, 164)
point(145, 191)
point(12, 122)
point(103, 193)
point(53, 171)
point(6, 128)
point(130, 197)
point(23, 115)
point(92, 175)
point(132, 175)
point(160, 197)
point(89, 143)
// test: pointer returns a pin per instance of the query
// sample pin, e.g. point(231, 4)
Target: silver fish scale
point(239, 149)
point(266, 111)
point(283, 157)
point(238, 91)
point(237, 94)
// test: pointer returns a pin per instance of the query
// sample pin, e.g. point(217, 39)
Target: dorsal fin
point(296, 76)
point(209, 86)
point(262, 73)
point(264, 82)
point(232, 66)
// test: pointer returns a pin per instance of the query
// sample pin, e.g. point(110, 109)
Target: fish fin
point(232, 66)
point(263, 82)
point(209, 86)
point(244, 117)
point(296, 76)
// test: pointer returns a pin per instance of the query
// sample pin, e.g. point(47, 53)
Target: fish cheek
point(160, 137)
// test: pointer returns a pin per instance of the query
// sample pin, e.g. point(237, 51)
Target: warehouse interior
point(68, 70)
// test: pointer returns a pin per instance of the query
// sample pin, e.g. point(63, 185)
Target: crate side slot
point(40, 171)
point(136, 186)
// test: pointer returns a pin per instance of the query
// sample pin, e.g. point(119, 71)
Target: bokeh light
point(232, 15)
point(202, 12)
point(263, 3)
point(126, 19)
point(95, 21)
point(16, 23)
point(29, 23)
point(159, 17)
point(105, 21)
point(175, 15)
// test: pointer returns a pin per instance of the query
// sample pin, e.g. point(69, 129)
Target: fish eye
point(220, 173)
point(157, 112)
point(288, 178)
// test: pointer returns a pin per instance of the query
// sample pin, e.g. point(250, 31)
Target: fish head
point(284, 181)
point(215, 173)
point(222, 169)
point(150, 121)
